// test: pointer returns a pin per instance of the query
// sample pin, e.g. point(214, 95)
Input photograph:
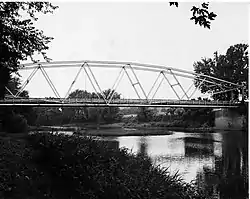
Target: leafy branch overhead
point(19, 38)
point(201, 15)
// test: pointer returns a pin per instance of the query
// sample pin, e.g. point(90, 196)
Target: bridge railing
point(116, 101)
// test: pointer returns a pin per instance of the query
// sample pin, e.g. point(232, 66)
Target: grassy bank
point(59, 166)
point(166, 126)
point(122, 129)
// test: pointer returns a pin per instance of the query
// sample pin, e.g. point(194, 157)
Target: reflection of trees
point(230, 176)
point(143, 146)
point(234, 166)
point(199, 146)
point(207, 181)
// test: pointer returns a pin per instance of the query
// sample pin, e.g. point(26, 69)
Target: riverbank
point(56, 166)
point(121, 129)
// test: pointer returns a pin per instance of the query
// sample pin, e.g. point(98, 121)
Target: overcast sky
point(147, 32)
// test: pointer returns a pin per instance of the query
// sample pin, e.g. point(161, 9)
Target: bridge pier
point(229, 119)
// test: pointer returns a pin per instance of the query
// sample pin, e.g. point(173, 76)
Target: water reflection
point(217, 161)
point(143, 146)
point(202, 145)
point(229, 177)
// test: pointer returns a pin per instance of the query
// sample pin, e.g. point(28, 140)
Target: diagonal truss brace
point(85, 66)
point(49, 81)
point(164, 75)
point(136, 83)
point(178, 83)
point(46, 77)
point(157, 87)
point(198, 87)
point(115, 85)
point(189, 88)
point(27, 81)
point(9, 91)
point(153, 86)
point(98, 86)
point(77, 75)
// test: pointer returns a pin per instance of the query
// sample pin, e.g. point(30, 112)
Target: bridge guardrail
point(116, 101)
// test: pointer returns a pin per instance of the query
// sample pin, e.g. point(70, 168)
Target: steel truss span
point(128, 69)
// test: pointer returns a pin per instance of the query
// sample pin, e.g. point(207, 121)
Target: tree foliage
point(13, 115)
point(145, 114)
point(232, 67)
point(109, 114)
point(14, 86)
point(20, 39)
point(53, 116)
point(200, 15)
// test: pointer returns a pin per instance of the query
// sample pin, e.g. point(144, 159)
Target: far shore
point(119, 129)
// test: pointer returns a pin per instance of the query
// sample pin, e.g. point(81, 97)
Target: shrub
point(59, 166)
point(83, 167)
point(15, 123)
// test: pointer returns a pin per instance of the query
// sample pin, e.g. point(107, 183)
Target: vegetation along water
point(110, 152)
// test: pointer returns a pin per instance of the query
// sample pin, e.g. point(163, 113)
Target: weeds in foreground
point(60, 166)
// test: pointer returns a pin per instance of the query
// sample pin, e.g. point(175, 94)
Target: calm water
point(217, 161)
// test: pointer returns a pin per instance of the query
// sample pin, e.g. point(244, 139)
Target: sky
point(144, 32)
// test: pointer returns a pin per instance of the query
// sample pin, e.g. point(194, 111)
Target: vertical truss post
point(144, 93)
point(179, 83)
point(153, 85)
point(103, 96)
point(114, 87)
point(27, 81)
point(49, 81)
point(170, 85)
point(81, 67)
point(133, 84)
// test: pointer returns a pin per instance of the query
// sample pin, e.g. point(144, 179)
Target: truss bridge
point(145, 97)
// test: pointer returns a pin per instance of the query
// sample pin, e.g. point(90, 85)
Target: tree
point(14, 85)
point(201, 15)
point(109, 114)
point(232, 67)
point(145, 114)
point(20, 40)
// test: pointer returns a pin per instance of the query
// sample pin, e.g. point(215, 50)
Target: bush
point(84, 167)
point(15, 123)
point(58, 166)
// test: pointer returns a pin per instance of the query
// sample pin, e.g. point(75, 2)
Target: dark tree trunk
point(4, 79)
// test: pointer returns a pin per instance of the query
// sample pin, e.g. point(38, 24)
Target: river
point(217, 162)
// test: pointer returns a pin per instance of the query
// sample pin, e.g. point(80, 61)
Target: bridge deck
point(59, 102)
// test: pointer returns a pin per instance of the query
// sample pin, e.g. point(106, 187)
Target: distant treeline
point(179, 117)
